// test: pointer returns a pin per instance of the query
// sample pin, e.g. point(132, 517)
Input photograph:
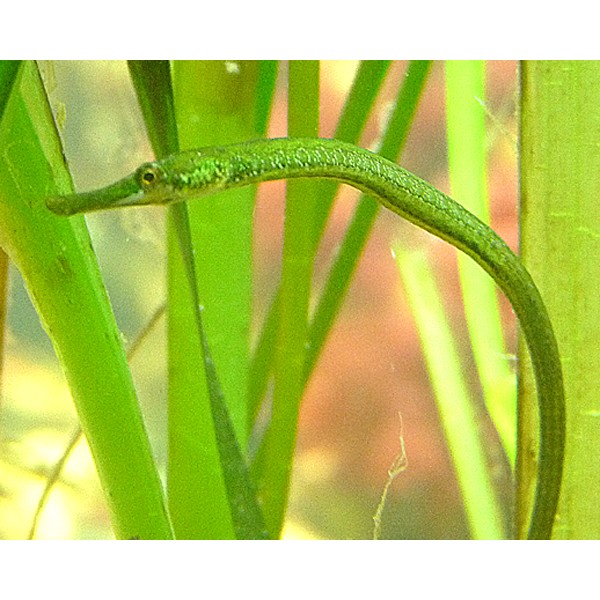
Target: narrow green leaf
point(560, 244)
point(274, 464)
point(155, 92)
point(216, 103)
point(246, 515)
point(8, 74)
point(455, 407)
point(364, 216)
point(265, 90)
point(77, 435)
point(9, 70)
point(152, 82)
point(55, 259)
point(357, 108)
point(195, 482)
point(465, 92)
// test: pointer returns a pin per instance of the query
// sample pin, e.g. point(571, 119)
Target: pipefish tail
point(195, 173)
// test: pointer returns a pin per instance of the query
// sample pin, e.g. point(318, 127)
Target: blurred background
point(370, 371)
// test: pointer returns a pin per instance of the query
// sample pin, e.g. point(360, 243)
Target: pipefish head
point(180, 177)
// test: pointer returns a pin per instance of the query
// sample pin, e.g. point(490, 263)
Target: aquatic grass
point(467, 163)
point(56, 261)
point(560, 244)
point(456, 409)
point(364, 215)
point(359, 104)
point(274, 463)
point(9, 70)
point(152, 80)
point(234, 101)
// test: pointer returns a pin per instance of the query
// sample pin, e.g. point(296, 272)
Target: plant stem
point(278, 449)
point(452, 397)
point(364, 216)
point(465, 92)
point(358, 106)
point(220, 110)
point(56, 260)
point(560, 244)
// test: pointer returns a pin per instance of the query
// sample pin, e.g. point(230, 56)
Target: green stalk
point(351, 124)
point(364, 216)
point(192, 493)
point(55, 258)
point(152, 82)
point(215, 103)
point(153, 85)
point(560, 244)
point(357, 108)
point(246, 516)
point(457, 415)
point(465, 91)
point(275, 465)
point(265, 90)
point(56, 473)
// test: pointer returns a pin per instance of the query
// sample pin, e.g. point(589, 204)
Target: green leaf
point(468, 180)
point(55, 258)
point(153, 82)
point(272, 469)
point(8, 74)
point(216, 103)
point(560, 245)
point(364, 215)
point(357, 108)
point(9, 70)
point(456, 410)
point(265, 90)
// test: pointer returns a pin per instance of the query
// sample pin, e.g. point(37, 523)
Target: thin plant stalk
point(359, 103)
point(77, 435)
point(274, 465)
point(364, 215)
point(54, 254)
point(560, 244)
point(457, 415)
point(465, 118)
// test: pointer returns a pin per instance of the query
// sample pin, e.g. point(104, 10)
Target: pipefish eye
point(148, 175)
